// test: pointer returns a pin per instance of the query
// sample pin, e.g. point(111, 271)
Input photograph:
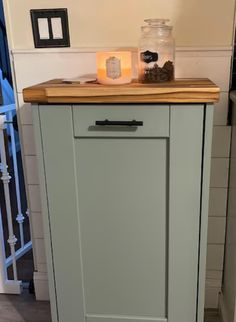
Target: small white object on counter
point(80, 80)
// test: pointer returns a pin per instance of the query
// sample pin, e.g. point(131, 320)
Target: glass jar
point(156, 52)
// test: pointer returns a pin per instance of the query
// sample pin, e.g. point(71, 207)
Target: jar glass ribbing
point(156, 52)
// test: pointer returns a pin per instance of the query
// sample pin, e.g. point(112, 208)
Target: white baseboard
point(41, 286)
point(212, 297)
point(222, 309)
point(224, 50)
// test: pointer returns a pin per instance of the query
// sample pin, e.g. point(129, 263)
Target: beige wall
point(104, 23)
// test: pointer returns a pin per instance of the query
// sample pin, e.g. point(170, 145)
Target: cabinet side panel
point(186, 136)
point(58, 148)
point(206, 170)
point(46, 224)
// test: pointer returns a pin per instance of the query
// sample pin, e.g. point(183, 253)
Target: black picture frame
point(49, 14)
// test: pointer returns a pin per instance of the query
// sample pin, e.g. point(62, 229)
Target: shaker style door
point(123, 204)
point(122, 209)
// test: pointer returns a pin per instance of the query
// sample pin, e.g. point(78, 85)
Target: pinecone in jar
point(158, 74)
point(168, 69)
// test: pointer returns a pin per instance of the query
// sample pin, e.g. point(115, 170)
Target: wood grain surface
point(178, 91)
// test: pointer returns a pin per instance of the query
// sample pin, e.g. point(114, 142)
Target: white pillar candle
point(114, 67)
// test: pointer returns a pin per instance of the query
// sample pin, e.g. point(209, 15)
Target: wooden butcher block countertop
point(178, 91)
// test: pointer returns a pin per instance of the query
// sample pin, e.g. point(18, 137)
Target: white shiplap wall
point(34, 66)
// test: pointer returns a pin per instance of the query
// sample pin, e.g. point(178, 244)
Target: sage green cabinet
point(125, 210)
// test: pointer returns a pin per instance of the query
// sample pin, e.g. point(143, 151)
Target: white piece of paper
point(80, 80)
point(43, 28)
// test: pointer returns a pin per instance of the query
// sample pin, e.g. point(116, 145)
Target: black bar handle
point(119, 123)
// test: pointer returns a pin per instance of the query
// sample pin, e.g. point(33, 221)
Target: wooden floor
point(212, 316)
point(24, 308)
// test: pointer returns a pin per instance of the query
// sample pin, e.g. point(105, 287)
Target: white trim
point(69, 50)
point(11, 287)
point(222, 309)
point(219, 50)
point(8, 19)
point(233, 36)
point(228, 48)
point(41, 286)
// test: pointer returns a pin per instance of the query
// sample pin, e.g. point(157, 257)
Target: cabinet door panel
point(122, 213)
